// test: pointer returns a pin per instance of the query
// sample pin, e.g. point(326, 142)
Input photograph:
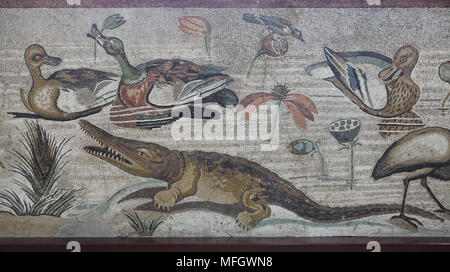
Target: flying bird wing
point(252, 19)
point(275, 20)
point(277, 24)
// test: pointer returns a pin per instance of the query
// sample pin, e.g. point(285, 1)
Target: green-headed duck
point(149, 93)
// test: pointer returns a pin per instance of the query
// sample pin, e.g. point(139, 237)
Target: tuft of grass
point(144, 227)
point(40, 165)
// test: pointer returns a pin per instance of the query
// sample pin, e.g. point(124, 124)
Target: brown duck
point(401, 92)
point(67, 94)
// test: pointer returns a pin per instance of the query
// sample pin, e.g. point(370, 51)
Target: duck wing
point(224, 98)
point(92, 86)
point(183, 82)
point(359, 78)
point(186, 93)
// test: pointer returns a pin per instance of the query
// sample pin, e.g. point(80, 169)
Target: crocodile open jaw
point(104, 151)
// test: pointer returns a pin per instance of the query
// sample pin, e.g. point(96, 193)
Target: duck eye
point(403, 59)
point(36, 58)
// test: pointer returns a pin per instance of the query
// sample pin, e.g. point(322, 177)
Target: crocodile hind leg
point(254, 199)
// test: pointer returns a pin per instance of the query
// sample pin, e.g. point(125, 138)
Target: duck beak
point(52, 61)
point(97, 35)
point(390, 74)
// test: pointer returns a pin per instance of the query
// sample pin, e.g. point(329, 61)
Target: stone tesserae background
point(91, 144)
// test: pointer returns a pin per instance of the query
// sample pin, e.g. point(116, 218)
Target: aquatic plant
point(111, 22)
point(198, 27)
point(144, 227)
point(300, 105)
point(306, 147)
point(40, 165)
point(346, 131)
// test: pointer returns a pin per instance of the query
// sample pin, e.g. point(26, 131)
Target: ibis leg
point(424, 183)
point(412, 221)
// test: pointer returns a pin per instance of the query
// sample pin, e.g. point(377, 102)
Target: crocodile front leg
point(186, 186)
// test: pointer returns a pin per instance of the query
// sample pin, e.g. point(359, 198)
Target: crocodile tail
point(400, 124)
point(290, 198)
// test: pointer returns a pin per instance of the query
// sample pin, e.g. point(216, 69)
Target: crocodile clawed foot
point(242, 226)
point(162, 208)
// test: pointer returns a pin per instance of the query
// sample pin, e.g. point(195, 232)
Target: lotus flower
point(345, 131)
point(197, 27)
point(301, 106)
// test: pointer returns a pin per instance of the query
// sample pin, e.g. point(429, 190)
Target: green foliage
point(113, 21)
point(143, 227)
point(40, 165)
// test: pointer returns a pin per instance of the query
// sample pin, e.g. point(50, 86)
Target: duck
point(390, 93)
point(152, 94)
point(67, 94)
point(420, 154)
point(444, 75)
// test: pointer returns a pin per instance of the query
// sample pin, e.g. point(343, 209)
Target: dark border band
point(225, 3)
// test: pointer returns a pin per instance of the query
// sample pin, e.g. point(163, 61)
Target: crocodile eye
point(403, 59)
point(36, 58)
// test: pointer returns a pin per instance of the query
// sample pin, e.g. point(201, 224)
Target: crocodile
point(222, 179)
